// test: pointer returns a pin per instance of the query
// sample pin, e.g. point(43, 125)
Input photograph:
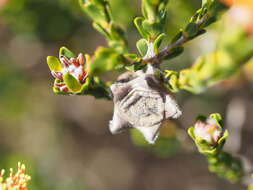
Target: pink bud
point(208, 130)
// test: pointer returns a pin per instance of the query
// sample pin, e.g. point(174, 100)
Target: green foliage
point(72, 83)
point(153, 23)
point(214, 67)
point(53, 63)
point(27, 17)
point(66, 52)
point(142, 46)
point(105, 59)
point(226, 166)
point(99, 11)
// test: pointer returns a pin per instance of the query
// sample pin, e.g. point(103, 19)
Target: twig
point(167, 50)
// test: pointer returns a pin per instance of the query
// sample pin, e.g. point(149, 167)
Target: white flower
point(208, 130)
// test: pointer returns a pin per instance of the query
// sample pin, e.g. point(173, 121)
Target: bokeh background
point(64, 140)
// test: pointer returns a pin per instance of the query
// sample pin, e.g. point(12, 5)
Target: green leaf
point(95, 10)
point(174, 53)
point(138, 24)
point(177, 36)
point(191, 29)
point(152, 28)
point(86, 85)
point(191, 133)
point(132, 57)
point(101, 30)
point(105, 59)
point(158, 42)
point(142, 46)
point(53, 63)
point(72, 83)
point(66, 52)
point(205, 2)
point(136, 67)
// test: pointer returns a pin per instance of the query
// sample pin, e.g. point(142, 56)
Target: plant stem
point(167, 50)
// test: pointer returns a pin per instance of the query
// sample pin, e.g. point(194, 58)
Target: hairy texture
point(141, 102)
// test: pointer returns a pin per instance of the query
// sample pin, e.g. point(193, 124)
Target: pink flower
point(208, 130)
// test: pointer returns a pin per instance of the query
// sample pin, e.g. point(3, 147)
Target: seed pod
point(141, 102)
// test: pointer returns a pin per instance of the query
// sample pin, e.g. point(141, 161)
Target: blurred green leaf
point(191, 29)
point(72, 83)
point(174, 53)
point(105, 59)
point(158, 42)
point(53, 63)
point(138, 24)
point(142, 46)
point(66, 52)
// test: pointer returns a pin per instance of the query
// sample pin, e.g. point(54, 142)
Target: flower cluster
point(73, 67)
point(17, 181)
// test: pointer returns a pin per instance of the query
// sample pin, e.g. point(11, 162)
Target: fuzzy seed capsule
point(141, 102)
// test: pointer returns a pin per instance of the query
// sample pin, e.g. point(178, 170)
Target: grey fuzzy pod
point(141, 102)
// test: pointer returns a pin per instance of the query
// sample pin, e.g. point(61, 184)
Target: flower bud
point(73, 67)
point(208, 130)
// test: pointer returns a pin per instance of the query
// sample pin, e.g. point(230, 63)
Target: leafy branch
point(216, 66)
point(203, 17)
point(99, 11)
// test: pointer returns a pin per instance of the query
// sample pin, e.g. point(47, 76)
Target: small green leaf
point(133, 57)
point(158, 42)
point(191, 133)
point(152, 28)
point(191, 29)
point(138, 24)
point(101, 30)
point(53, 63)
point(86, 85)
point(136, 67)
point(177, 37)
point(209, 21)
point(217, 117)
point(174, 53)
point(95, 10)
point(72, 83)
point(105, 59)
point(205, 2)
point(66, 52)
point(116, 32)
point(142, 46)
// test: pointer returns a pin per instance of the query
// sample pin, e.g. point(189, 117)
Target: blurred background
point(64, 140)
